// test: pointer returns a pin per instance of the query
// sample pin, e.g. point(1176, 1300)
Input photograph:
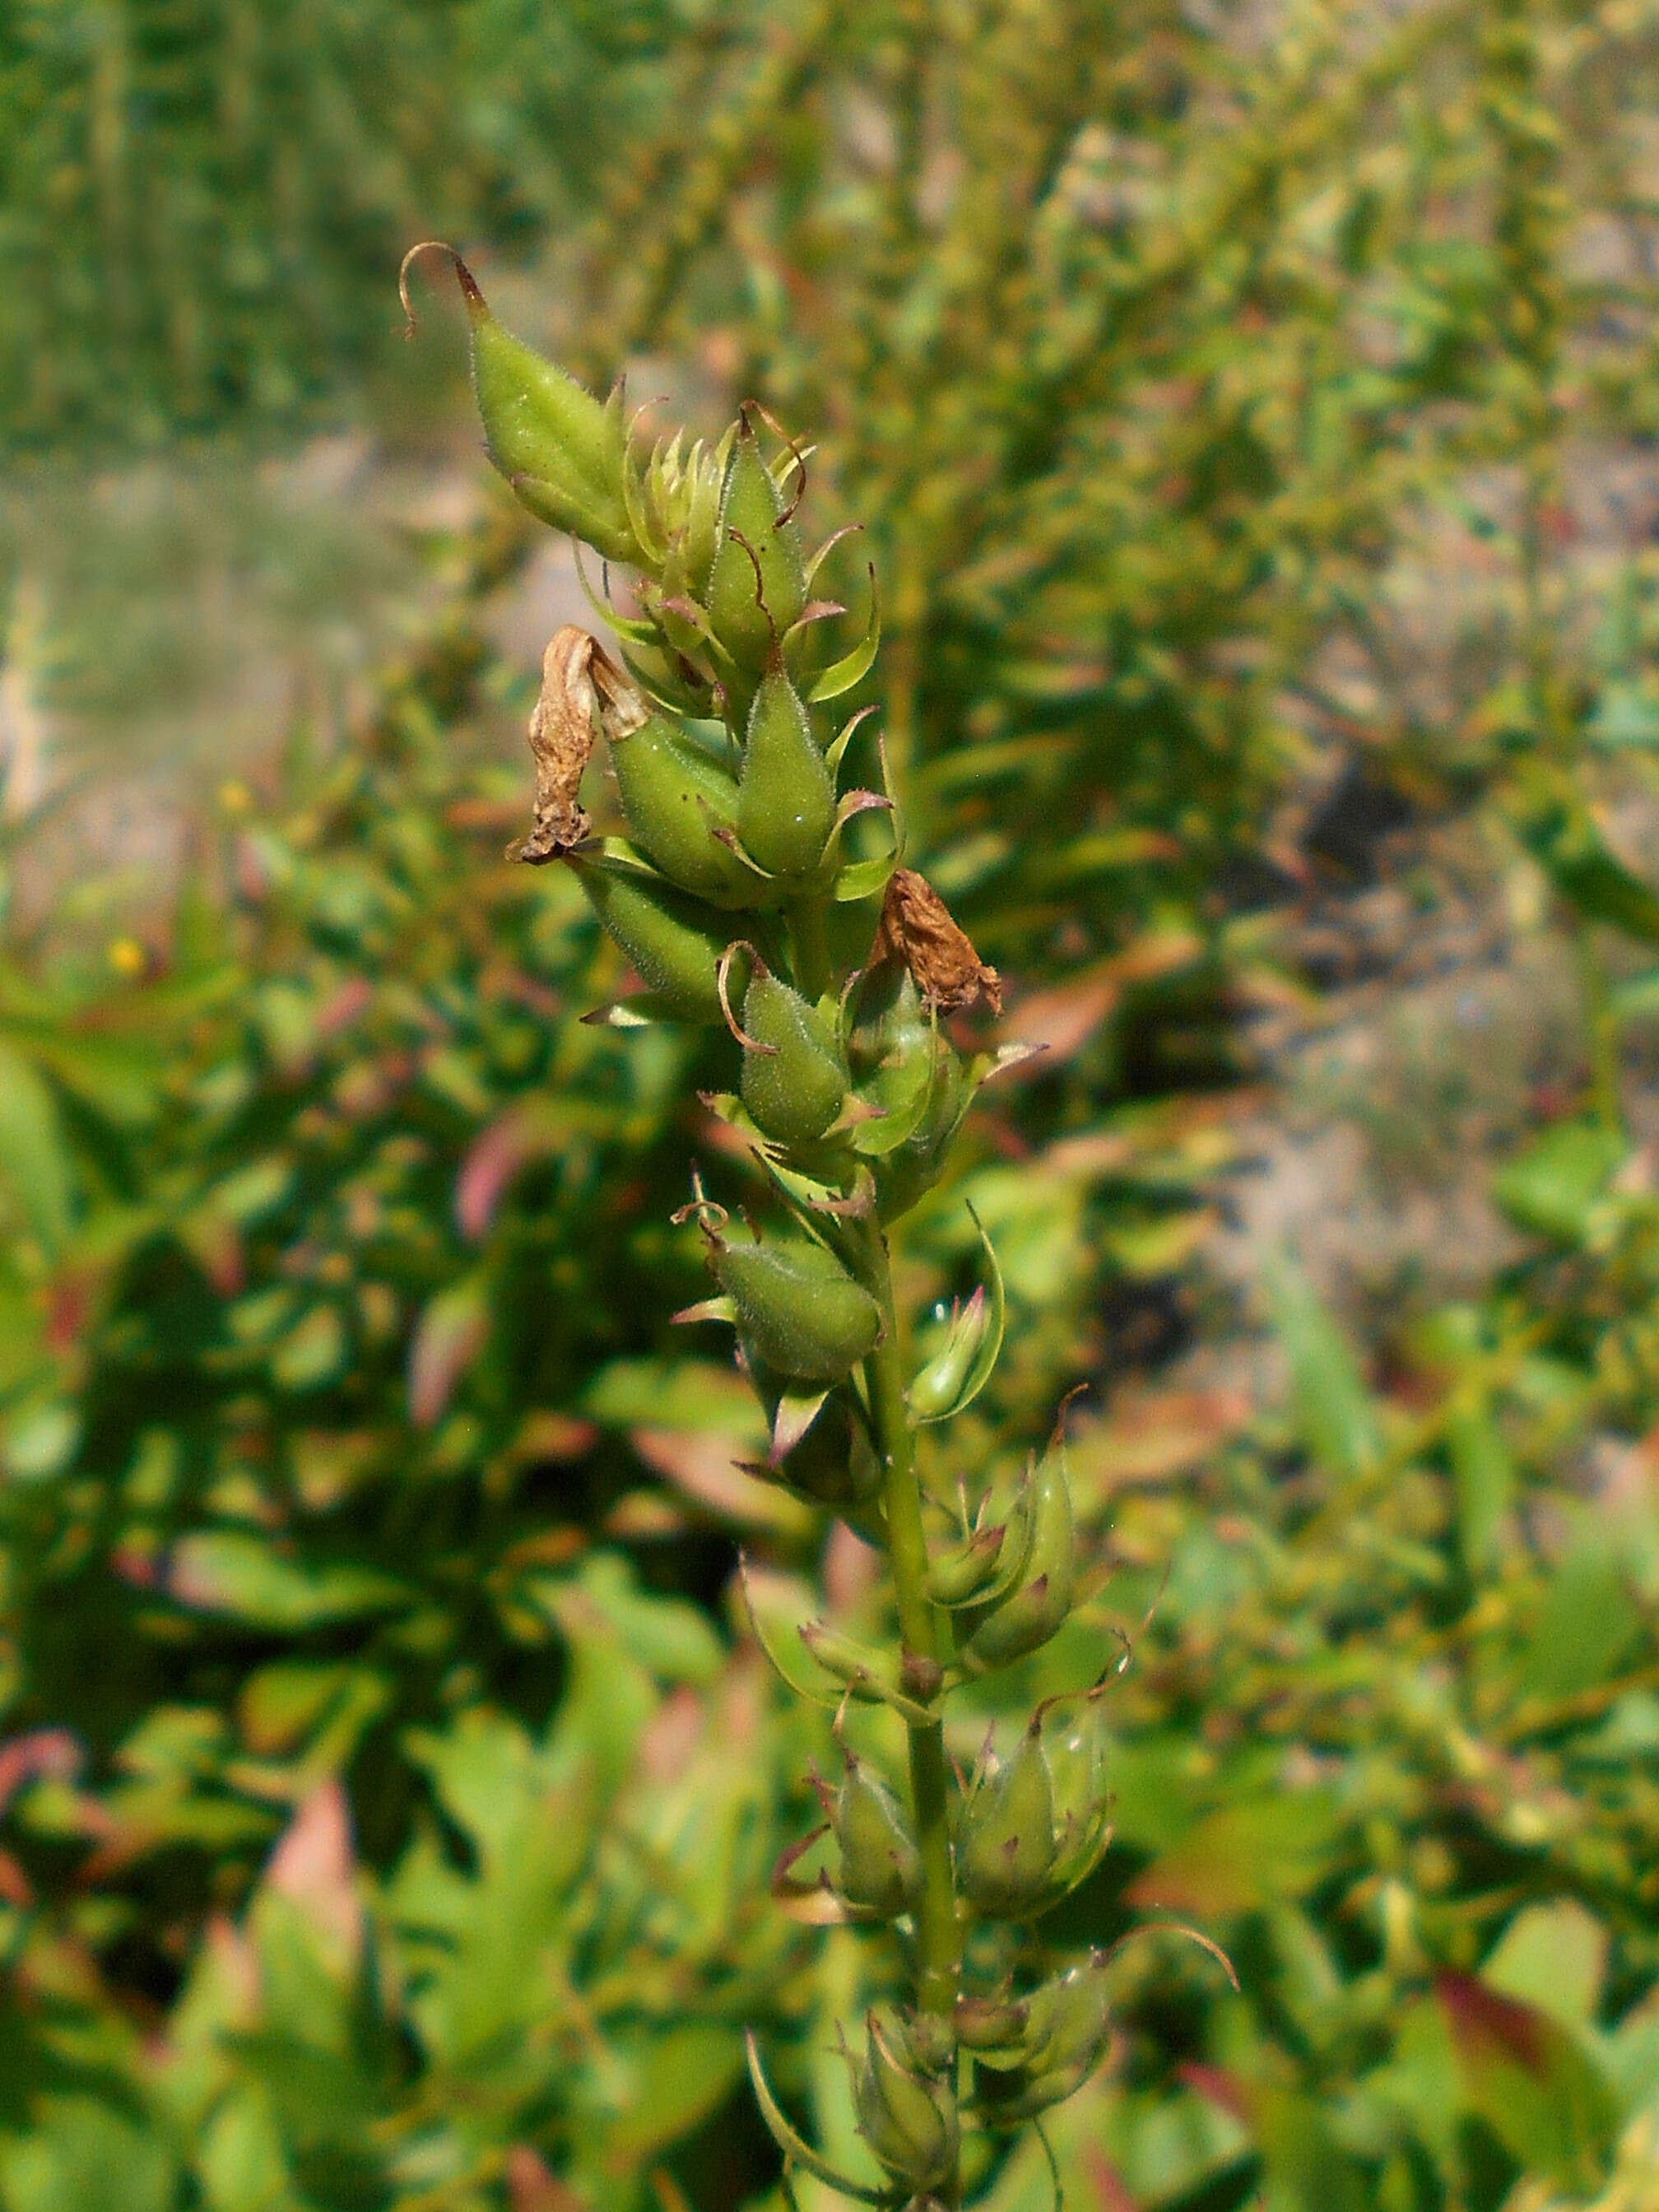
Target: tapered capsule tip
point(476, 310)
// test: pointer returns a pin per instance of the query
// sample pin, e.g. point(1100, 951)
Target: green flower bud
point(757, 579)
point(880, 1867)
point(1006, 1841)
point(798, 1306)
point(563, 451)
point(678, 799)
point(1029, 1616)
point(936, 1390)
point(992, 2031)
point(909, 2119)
point(793, 1079)
point(786, 800)
point(673, 941)
point(908, 1067)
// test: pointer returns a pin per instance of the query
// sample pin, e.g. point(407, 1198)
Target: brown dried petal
point(916, 927)
point(583, 691)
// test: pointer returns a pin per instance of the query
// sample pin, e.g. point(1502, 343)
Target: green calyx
point(794, 1080)
point(909, 2118)
point(786, 797)
point(758, 576)
point(681, 805)
point(798, 1306)
point(880, 1871)
point(674, 942)
point(1006, 1844)
point(1038, 2052)
point(564, 453)
point(1028, 1616)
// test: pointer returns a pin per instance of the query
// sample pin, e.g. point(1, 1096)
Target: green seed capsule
point(880, 1867)
point(786, 801)
point(1030, 1615)
point(563, 451)
point(798, 1306)
point(795, 1090)
point(674, 942)
point(757, 580)
point(1007, 1845)
point(909, 2119)
point(678, 799)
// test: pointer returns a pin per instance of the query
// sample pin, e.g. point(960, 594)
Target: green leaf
point(1551, 1188)
point(1552, 1956)
point(1334, 1410)
point(243, 1577)
point(34, 1159)
point(1482, 1480)
point(1587, 1621)
point(81, 2156)
point(1584, 872)
point(452, 1331)
point(1535, 2085)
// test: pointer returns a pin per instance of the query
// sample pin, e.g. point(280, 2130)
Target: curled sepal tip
point(796, 2149)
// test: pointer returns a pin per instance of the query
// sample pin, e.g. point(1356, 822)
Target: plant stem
point(809, 948)
point(938, 1950)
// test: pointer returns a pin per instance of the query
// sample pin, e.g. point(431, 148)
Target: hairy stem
point(939, 1949)
point(809, 948)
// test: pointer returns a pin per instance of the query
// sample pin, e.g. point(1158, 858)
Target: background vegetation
point(1252, 413)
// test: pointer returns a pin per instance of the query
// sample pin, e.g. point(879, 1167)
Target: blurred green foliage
point(199, 198)
point(355, 1494)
